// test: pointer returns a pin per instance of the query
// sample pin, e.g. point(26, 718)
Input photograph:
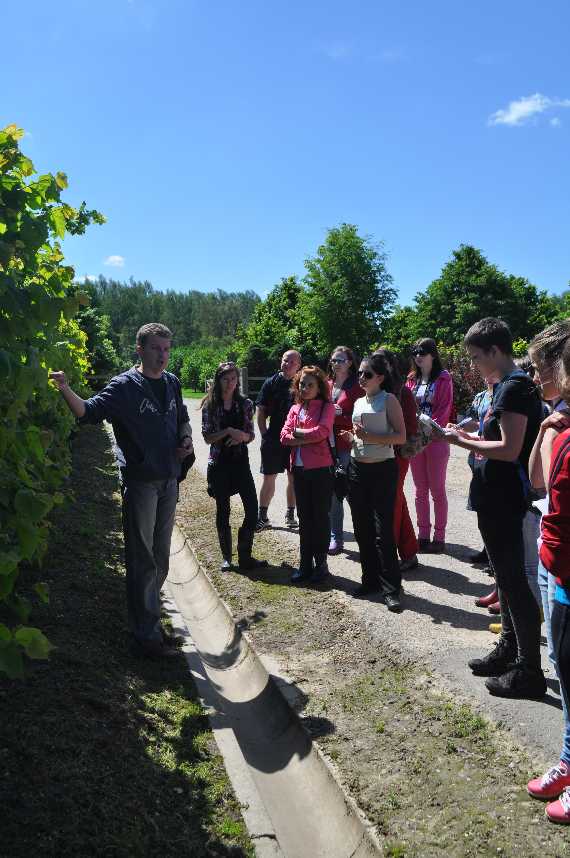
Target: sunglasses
point(365, 373)
point(420, 353)
point(339, 360)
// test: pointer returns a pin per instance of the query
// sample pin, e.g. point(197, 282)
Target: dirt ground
point(431, 772)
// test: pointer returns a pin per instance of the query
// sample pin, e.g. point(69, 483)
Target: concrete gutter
point(304, 812)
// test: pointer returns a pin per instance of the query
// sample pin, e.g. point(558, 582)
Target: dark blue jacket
point(146, 436)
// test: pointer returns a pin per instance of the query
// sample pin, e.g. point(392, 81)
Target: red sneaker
point(559, 811)
point(494, 608)
point(485, 601)
point(552, 783)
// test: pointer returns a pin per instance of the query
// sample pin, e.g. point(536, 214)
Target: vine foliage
point(37, 332)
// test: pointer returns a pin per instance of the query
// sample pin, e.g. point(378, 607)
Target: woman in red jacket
point(307, 431)
point(344, 391)
point(404, 532)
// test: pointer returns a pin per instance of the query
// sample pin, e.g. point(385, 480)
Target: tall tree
point(470, 288)
point(348, 291)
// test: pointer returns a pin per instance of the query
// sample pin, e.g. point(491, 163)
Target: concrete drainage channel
point(293, 805)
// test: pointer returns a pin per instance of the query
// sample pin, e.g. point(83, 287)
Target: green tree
point(273, 327)
point(348, 293)
point(103, 358)
point(38, 303)
point(470, 288)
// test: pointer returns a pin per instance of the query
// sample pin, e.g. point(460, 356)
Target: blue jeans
point(336, 514)
point(560, 619)
point(547, 584)
point(531, 532)
point(148, 519)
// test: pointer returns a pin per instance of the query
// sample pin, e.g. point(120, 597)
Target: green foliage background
point(38, 331)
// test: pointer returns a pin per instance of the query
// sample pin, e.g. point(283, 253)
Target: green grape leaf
point(34, 642)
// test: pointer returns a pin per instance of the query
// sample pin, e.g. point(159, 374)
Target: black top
point(504, 487)
point(276, 398)
point(158, 388)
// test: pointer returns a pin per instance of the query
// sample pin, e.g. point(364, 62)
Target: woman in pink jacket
point(307, 431)
point(432, 387)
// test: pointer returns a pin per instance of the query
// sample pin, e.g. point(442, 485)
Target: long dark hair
point(379, 365)
point(353, 360)
point(395, 367)
point(213, 398)
point(430, 347)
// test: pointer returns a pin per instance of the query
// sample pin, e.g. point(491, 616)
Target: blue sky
point(222, 139)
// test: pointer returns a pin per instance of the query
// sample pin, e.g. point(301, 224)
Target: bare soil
point(432, 774)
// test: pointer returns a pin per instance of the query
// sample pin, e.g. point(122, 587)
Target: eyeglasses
point(420, 353)
point(339, 360)
point(365, 373)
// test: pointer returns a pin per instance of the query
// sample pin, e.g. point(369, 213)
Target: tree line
point(346, 296)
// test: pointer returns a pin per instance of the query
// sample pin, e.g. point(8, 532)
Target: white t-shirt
point(371, 414)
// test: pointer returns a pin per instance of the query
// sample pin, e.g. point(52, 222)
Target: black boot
point(321, 572)
point(245, 545)
point(225, 539)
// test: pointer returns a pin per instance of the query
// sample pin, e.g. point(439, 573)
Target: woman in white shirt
point(378, 424)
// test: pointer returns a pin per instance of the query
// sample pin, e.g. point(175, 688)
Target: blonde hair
point(546, 348)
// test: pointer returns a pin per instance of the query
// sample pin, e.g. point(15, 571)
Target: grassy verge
point(189, 393)
point(102, 754)
point(433, 775)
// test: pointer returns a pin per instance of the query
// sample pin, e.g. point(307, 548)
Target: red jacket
point(319, 419)
point(346, 400)
point(555, 548)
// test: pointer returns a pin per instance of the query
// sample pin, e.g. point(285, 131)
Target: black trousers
point(234, 477)
point(313, 492)
point(520, 615)
point(372, 497)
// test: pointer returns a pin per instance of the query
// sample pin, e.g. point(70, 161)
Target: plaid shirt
point(212, 422)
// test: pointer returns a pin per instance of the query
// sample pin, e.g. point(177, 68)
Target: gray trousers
point(148, 519)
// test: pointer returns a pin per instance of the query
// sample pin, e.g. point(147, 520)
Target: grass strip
point(101, 753)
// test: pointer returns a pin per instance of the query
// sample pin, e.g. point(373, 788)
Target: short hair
point(153, 329)
point(490, 332)
point(546, 348)
point(321, 379)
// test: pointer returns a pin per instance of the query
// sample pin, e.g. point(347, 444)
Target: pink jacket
point(319, 418)
point(438, 401)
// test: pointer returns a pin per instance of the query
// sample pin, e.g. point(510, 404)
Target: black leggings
point(246, 490)
point(520, 615)
point(372, 497)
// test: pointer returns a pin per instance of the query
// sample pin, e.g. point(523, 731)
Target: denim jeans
point(148, 519)
point(336, 513)
point(547, 585)
point(561, 639)
point(531, 532)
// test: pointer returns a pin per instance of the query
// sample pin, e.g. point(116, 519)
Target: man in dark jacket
point(153, 436)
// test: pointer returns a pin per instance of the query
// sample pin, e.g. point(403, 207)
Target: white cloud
point(526, 108)
point(87, 278)
point(555, 122)
point(115, 261)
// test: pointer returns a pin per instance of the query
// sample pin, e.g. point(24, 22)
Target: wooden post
point(244, 380)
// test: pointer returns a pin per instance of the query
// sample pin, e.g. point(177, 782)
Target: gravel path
point(440, 624)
